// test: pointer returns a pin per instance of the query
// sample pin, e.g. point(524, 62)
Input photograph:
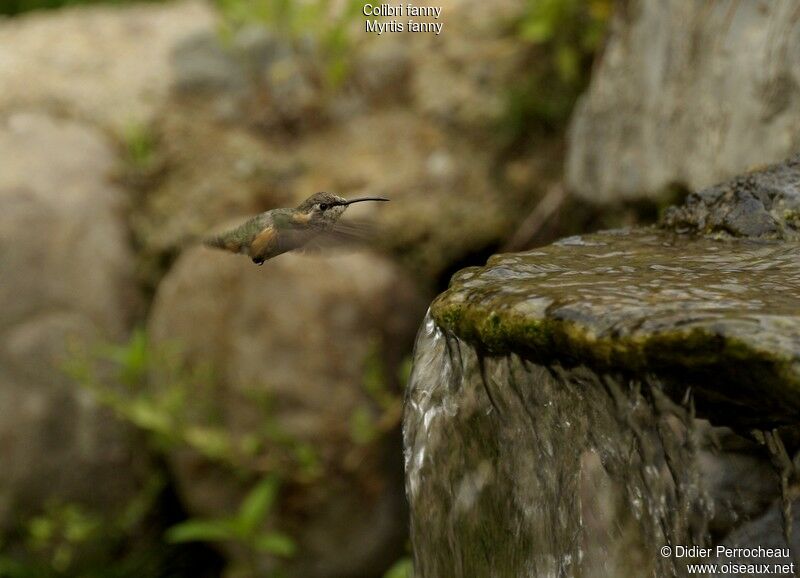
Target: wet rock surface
point(763, 204)
point(717, 313)
point(738, 477)
point(514, 468)
point(720, 317)
point(762, 533)
point(555, 395)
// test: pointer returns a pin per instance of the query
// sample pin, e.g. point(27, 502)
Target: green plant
point(12, 568)
point(570, 29)
point(73, 539)
point(245, 527)
point(173, 402)
point(139, 143)
point(123, 378)
point(369, 421)
point(59, 531)
point(325, 22)
point(403, 568)
point(12, 7)
point(565, 36)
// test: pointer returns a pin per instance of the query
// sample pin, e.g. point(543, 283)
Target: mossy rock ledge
point(717, 312)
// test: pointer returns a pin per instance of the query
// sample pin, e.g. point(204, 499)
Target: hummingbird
point(278, 231)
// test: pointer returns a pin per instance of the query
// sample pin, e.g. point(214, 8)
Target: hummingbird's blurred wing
point(340, 234)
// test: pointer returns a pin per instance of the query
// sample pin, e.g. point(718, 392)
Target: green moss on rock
point(720, 316)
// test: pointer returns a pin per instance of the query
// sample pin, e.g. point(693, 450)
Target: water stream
point(550, 426)
point(516, 467)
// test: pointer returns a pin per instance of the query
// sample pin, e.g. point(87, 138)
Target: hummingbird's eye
point(323, 206)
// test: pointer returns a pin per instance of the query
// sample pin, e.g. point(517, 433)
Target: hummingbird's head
point(326, 208)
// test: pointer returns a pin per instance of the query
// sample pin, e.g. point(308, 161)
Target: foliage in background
point(245, 528)
point(121, 377)
point(151, 388)
point(12, 7)
point(403, 568)
point(138, 146)
point(565, 36)
point(322, 25)
point(67, 539)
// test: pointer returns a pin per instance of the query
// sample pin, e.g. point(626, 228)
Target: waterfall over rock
point(575, 409)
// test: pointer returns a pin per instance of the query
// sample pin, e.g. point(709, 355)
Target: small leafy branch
point(245, 528)
point(565, 35)
point(403, 568)
point(571, 29)
point(73, 539)
point(173, 403)
point(150, 389)
point(366, 425)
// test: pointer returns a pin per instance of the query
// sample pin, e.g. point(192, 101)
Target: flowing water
point(517, 470)
point(541, 438)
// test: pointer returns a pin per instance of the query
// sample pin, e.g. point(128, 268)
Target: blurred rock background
point(166, 410)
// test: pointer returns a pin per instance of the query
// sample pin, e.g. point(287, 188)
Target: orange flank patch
point(301, 218)
point(263, 242)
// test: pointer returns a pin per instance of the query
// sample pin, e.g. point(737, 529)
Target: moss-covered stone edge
point(762, 386)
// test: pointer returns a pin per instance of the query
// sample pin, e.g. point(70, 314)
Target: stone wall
point(687, 92)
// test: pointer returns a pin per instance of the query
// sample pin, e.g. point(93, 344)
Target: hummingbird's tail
point(215, 242)
point(224, 242)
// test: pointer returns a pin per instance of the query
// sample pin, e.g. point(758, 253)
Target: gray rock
point(383, 70)
point(418, 165)
point(765, 532)
point(687, 92)
point(112, 65)
point(67, 278)
point(293, 90)
point(738, 476)
point(299, 331)
point(212, 173)
point(461, 77)
point(762, 204)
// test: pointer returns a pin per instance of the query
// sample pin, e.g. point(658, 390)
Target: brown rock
point(302, 332)
point(109, 65)
point(67, 276)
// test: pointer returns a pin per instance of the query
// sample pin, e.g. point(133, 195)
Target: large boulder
point(687, 93)
point(67, 277)
point(304, 353)
point(551, 418)
point(110, 66)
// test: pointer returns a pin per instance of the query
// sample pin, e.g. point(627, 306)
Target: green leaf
point(362, 426)
point(568, 63)
point(403, 568)
point(147, 415)
point(200, 530)
point(275, 543)
point(257, 505)
point(536, 30)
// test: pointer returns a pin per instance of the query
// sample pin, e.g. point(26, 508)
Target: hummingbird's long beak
point(363, 199)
